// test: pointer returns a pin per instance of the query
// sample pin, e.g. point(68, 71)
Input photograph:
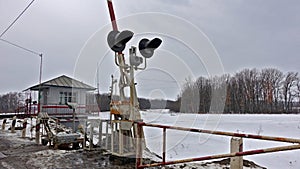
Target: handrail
point(139, 151)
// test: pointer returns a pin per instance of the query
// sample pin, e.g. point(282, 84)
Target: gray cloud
point(245, 33)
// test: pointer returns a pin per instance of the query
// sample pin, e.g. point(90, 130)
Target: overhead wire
point(16, 18)
point(14, 44)
point(21, 47)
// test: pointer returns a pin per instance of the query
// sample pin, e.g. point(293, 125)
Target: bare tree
point(189, 98)
point(248, 91)
point(9, 102)
point(201, 84)
point(276, 80)
point(298, 91)
point(218, 93)
point(250, 78)
point(288, 89)
point(270, 81)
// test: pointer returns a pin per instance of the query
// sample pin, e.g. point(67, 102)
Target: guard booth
point(57, 92)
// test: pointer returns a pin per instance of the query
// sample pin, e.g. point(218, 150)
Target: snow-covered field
point(183, 145)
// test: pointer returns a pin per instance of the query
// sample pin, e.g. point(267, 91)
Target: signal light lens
point(147, 47)
point(117, 40)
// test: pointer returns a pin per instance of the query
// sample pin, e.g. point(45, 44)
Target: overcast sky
point(245, 33)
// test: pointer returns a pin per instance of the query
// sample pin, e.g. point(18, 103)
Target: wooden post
point(236, 146)
point(91, 135)
point(74, 128)
point(121, 143)
point(164, 145)
point(3, 124)
point(30, 127)
point(106, 135)
point(85, 134)
point(139, 151)
point(100, 134)
point(37, 131)
point(112, 138)
point(24, 128)
point(13, 124)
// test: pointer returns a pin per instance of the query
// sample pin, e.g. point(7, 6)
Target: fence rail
point(139, 155)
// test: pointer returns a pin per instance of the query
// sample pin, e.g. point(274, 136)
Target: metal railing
point(139, 151)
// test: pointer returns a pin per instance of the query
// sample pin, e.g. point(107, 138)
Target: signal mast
point(124, 110)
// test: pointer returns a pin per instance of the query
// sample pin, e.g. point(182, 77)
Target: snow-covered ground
point(183, 145)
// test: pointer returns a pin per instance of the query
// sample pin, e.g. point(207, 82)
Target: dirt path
point(20, 153)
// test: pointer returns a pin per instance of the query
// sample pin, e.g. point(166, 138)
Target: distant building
point(55, 93)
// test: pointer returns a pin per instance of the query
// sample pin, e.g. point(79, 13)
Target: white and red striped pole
point(218, 156)
point(223, 133)
point(112, 15)
point(140, 125)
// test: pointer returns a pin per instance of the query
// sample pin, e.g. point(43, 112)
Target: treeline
point(9, 102)
point(248, 91)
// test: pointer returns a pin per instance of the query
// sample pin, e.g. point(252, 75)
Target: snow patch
point(2, 155)
point(7, 166)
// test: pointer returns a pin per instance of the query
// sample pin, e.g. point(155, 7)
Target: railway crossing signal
point(117, 40)
point(147, 47)
point(124, 110)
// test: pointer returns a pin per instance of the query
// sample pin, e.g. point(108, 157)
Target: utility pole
point(40, 83)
